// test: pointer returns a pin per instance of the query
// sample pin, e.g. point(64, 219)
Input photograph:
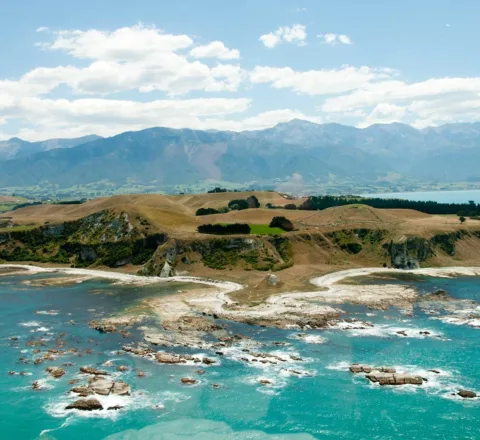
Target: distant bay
point(435, 196)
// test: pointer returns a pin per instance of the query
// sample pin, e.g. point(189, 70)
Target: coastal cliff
point(115, 239)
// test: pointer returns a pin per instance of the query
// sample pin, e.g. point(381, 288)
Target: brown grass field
point(175, 215)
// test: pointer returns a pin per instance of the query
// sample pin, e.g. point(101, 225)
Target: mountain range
point(165, 156)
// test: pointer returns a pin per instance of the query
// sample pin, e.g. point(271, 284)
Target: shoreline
point(284, 310)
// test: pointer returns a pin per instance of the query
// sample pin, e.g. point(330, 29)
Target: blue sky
point(75, 68)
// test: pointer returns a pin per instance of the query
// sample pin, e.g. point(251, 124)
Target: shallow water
point(324, 401)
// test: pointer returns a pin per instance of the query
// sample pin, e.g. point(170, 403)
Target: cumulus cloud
point(50, 118)
point(332, 39)
point(430, 102)
point(295, 34)
point(318, 82)
point(76, 98)
point(215, 49)
point(133, 58)
point(106, 117)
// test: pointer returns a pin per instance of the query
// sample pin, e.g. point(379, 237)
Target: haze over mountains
point(165, 156)
point(15, 148)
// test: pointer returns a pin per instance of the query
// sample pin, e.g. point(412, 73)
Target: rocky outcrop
point(272, 280)
point(93, 371)
point(103, 387)
point(85, 405)
point(409, 252)
point(55, 372)
point(466, 394)
point(386, 375)
point(104, 237)
point(169, 358)
point(188, 381)
point(167, 270)
point(360, 368)
point(260, 253)
point(394, 378)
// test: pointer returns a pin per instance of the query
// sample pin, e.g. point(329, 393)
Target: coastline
point(283, 310)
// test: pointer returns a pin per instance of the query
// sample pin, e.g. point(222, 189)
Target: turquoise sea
point(325, 401)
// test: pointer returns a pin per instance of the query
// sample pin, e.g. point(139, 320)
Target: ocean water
point(321, 400)
point(435, 196)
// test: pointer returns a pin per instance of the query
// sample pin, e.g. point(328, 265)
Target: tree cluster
point(324, 202)
point(217, 189)
point(206, 211)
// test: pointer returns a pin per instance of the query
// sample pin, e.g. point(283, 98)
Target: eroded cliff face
point(104, 238)
point(411, 252)
point(113, 239)
point(250, 253)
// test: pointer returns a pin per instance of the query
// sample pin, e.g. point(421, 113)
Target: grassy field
point(265, 230)
point(18, 228)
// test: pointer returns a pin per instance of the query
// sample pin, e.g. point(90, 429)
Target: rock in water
point(82, 391)
point(168, 358)
point(361, 368)
point(55, 372)
point(120, 389)
point(85, 405)
point(466, 394)
point(105, 387)
point(188, 380)
point(94, 371)
point(101, 386)
point(394, 378)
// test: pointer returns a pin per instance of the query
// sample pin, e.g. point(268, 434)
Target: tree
point(462, 219)
point(238, 204)
point(290, 206)
point(253, 202)
point(281, 222)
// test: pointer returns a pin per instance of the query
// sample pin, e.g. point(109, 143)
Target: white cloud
point(42, 29)
point(142, 59)
point(318, 82)
point(134, 43)
point(215, 49)
point(69, 118)
point(295, 34)
point(333, 39)
point(344, 39)
point(135, 58)
point(430, 102)
point(50, 118)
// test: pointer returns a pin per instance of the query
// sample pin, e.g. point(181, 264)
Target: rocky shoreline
point(198, 319)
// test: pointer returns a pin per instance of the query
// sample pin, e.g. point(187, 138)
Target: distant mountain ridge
point(167, 156)
point(15, 148)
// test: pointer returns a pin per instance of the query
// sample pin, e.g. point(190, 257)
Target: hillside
point(157, 234)
point(162, 158)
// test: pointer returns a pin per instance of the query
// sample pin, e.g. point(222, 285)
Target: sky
point(104, 67)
